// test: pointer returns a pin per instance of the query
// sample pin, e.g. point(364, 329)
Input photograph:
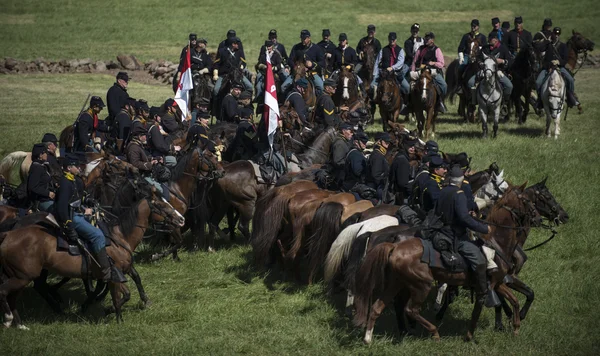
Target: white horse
point(490, 192)
point(489, 94)
point(553, 96)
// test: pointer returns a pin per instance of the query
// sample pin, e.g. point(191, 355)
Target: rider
point(225, 43)
point(117, 97)
point(40, 189)
point(229, 105)
point(355, 165)
point(464, 50)
point(85, 126)
point(278, 46)
point(390, 58)
point(496, 27)
point(400, 171)
point(518, 39)
point(158, 142)
point(243, 146)
point(505, 30)
point(556, 55)
point(276, 59)
point(312, 56)
point(201, 61)
point(463, 161)
point(136, 155)
point(453, 211)
point(411, 46)
point(229, 58)
point(295, 100)
point(325, 108)
point(344, 55)
point(431, 55)
point(170, 121)
point(71, 215)
point(369, 39)
point(142, 113)
point(339, 150)
point(430, 191)
point(378, 167)
point(122, 123)
point(541, 38)
point(328, 49)
point(192, 42)
point(51, 145)
point(198, 133)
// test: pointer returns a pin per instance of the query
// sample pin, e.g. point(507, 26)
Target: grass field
point(218, 303)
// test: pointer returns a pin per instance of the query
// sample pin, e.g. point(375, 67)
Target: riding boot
point(572, 99)
point(484, 128)
point(474, 96)
point(495, 130)
point(480, 282)
point(102, 259)
point(405, 110)
point(440, 104)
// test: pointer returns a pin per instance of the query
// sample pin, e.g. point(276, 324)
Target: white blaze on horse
point(553, 96)
point(489, 94)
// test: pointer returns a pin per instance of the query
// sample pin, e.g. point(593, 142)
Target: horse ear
point(522, 187)
point(222, 137)
point(573, 31)
point(485, 56)
point(543, 182)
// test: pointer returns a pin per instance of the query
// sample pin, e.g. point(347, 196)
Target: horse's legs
point(474, 318)
point(10, 286)
point(506, 293)
point(524, 289)
point(40, 284)
point(418, 294)
point(349, 303)
point(120, 294)
point(133, 273)
point(377, 308)
point(400, 305)
point(484, 126)
point(496, 118)
point(548, 125)
point(557, 126)
point(12, 302)
point(231, 222)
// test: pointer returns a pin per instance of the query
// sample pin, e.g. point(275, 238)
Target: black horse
point(523, 72)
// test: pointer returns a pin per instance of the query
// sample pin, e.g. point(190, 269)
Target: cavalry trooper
point(328, 49)
point(391, 59)
point(400, 171)
point(556, 55)
point(40, 189)
point(229, 105)
point(231, 34)
point(430, 191)
point(464, 50)
point(454, 213)
point(122, 124)
point(339, 151)
point(268, 49)
point(505, 30)
point(276, 46)
point(71, 214)
point(325, 110)
point(244, 144)
point(229, 58)
point(411, 46)
point(295, 100)
point(420, 181)
point(432, 56)
point(192, 43)
point(496, 27)
point(142, 111)
point(117, 97)
point(313, 58)
point(368, 40)
point(170, 122)
point(518, 39)
point(51, 142)
point(201, 61)
point(355, 166)
point(158, 142)
point(345, 56)
point(85, 126)
point(541, 38)
point(379, 168)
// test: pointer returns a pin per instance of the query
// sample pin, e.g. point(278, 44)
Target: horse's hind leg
point(557, 126)
point(9, 287)
point(12, 302)
point(506, 293)
point(377, 308)
point(418, 294)
point(523, 288)
point(133, 273)
point(40, 284)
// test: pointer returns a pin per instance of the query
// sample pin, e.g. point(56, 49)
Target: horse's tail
point(452, 80)
point(339, 250)
point(326, 226)
point(270, 210)
point(357, 252)
point(9, 162)
point(66, 139)
point(370, 280)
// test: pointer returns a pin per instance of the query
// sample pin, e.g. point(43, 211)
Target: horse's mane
point(125, 205)
point(321, 145)
point(179, 169)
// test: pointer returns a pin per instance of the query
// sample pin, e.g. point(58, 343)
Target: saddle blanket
point(433, 258)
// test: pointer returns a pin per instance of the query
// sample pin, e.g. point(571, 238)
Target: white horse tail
point(9, 162)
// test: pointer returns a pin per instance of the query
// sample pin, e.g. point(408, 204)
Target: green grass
point(217, 303)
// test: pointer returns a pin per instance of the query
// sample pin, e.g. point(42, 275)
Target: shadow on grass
point(460, 134)
point(526, 131)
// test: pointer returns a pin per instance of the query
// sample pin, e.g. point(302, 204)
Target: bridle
point(209, 174)
point(495, 83)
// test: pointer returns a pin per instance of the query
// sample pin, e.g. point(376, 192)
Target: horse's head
point(347, 83)
point(490, 68)
point(209, 165)
point(516, 201)
point(494, 188)
point(163, 212)
point(580, 43)
point(545, 203)
point(425, 83)
point(299, 70)
point(474, 49)
point(555, 93)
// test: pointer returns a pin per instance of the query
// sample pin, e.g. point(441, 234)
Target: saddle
point(64, 244)
point(438, 246)
point(447, 260)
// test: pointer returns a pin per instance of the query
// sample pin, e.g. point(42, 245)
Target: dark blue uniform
point(379, 170)
point(355, 169)
point(400, 176)
point(116, 98)
point(430, 192)
point(159, 145)
point(466, 188)
point(227, 60)
point(468, 37)
point(277, 47)
point(517, 41)
point(122, 125)
point(364, 41)
point(296, 101)
point(344, 57)
point(339, 151)
point(201, 60)
point(418, 186)
point(312, 52)
point(325, 111)
point(39, 182)
point(84, 131)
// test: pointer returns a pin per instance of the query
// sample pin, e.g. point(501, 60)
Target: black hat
point(392, 36)
point(342, 37)
point(72, 159)
point(49, 137)
point(131, 102)
point(495, 20)
point(506, 25)
point(345, 126)
point(123, 75)
point(493, 34)
point(415, 26)
point(38, 149)
point(383, 136)
point(474, 22)
point(139, 131)
point(371, 28)
point(361, 136)
point(329, 83)
point(245, 95)
point(96, 101)
point(203, 115)
point(409, 141)
point(304, 34)
point(518, 19)
point(142, 105)
point(234, 39)
point(231, 33)
point(430, 35)
point(436, 162)
point(272, 34)
point(462, 159)
point(246, 113)
point(557, 30)
point(547, 22)
point(456, 172)
point(431, 146)
point(430, 154)
point(268, 43)
point(193, 37)
point(155, 110)
point(169, 102)
point(237, 85)
point(202, 40)
point(302, 82)
point(326, 32)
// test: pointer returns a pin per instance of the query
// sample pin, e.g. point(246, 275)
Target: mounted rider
point(229, 58)
point(229, 105)
point(411, 46)
point(464, 50)
point(277, 65)
point(122, 124)
point(430, 191)
point(340, 147)
point(276, 46)
point(158, 140)
point(117, 97)
point(201, 61)
point(543, 37)
point(454, 213)
point(244, 145)
point(136, 155)
point(355, 167)
point(401, 175)
point(325, 110)
point(72, 216)
point(345, 56)
point(40, 189)
point(192, 43)
point(328, 48)
point(142, 113)
point(171, 122)
point(432, 56)
point(313, 58)
point(368, 40)
point(295, 100)
point(85, 126)
point(51, 142)
point(556, 56)
point(391, 59)
point(378, 168)
point(518, 39)
point(496, 27)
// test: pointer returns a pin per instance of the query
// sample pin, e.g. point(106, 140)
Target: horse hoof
point(499, 327)
point(436, 337)
point(22, 327)
point(211, 249)
point(516, 332)
point(468, 337)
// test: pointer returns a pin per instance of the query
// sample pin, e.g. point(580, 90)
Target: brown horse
point(388, 98)
point(309, 95)
point(21, 264)
point(424, 98)
point(457, 81)
point(577, 46)
point(366, 73)
point(411, 279)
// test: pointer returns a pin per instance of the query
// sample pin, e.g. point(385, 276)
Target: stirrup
point(492, 300)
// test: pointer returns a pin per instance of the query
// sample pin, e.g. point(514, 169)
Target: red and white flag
point(185, 85)
point(271, 113)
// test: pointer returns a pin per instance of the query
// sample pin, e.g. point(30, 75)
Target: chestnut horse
point(366, 73)
point(388, 98)
point(424, 98)
point(310, 96)
point(396, 269)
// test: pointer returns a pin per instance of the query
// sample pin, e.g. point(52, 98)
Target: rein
point(552, 230)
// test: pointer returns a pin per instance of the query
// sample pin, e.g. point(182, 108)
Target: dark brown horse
point(424, 97)
point(300, 71)
point(388, 98)
point(457, 81)
point(578, 47)
point(366, 73)
point(411, 280)
point(523, 71)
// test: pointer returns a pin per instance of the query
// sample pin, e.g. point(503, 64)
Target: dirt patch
point(433, 17)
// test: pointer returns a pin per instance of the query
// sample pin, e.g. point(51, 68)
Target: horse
point(458, 83)
point(309, 95)
point(201, 92)
point(391, 270)
point(347, 92)
point(577, 45)
point(366, 74)
point(523, 71)
point(489, 94)
point(424, 97)
point(388, 98)
point(21, 264)
point(553, 93)
point(236, 75)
